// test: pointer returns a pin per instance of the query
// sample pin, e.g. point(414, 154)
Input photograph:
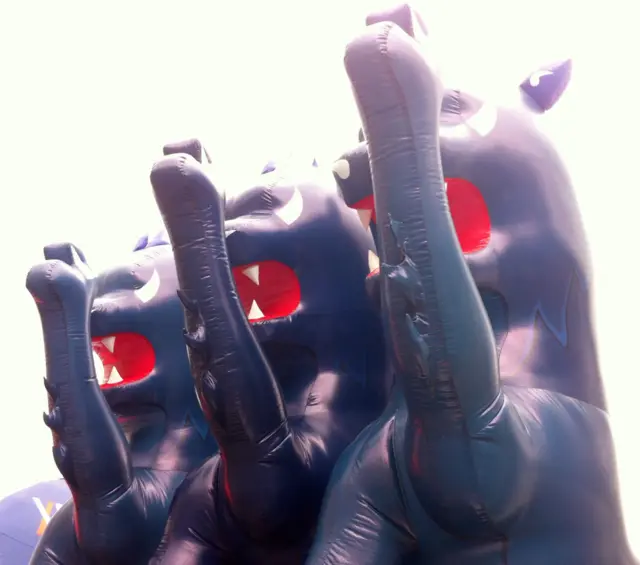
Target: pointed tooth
point(98, 365)
point(109, 342)
point(114, 377)
point(374, 261)
point(253, 273)
point(365, 217)
point(255, 313)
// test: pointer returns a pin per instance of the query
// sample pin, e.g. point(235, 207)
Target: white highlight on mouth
point(342, 168)
point(374, 261)
point(253, 273)
point(150, 289)
point(255, 313)
point(292, 210)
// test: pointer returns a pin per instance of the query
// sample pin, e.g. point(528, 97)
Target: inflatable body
point(492, 451)
point(24, 516)
point(494, 447)
point(288, 362)
point(313, 359)
point(122, 473)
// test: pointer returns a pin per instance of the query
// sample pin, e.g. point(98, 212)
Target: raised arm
point(234, 382)
point(442, 343)
point(89, 447)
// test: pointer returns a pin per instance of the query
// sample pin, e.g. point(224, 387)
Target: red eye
point(267, 290)
point(470, 215)
point(125, 357)
point(468, 211)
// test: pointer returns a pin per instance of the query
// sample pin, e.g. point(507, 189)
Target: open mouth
point(469, 213)
point(122, 358)
point(468, 209)
point(267, 290)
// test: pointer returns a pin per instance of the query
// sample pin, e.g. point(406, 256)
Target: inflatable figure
point(24, 516)
point(286, 351)
point(475, 461)
point(122, 477)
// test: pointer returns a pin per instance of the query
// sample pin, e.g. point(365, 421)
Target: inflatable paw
point(496, 447)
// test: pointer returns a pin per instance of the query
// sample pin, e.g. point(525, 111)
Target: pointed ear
point(269, 167)
point(315, 163)
point(544, 87)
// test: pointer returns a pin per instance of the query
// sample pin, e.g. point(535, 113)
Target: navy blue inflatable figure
point(493, 451)
point(24, 517)
point(125, 442)
point(286, 351)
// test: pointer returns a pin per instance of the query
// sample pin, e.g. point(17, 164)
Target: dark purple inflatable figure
point(286, 351)
point(492, 451)
point(124, 443)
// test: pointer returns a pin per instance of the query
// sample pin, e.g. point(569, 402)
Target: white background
point(90, 91)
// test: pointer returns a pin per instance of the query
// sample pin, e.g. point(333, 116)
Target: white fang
point(365, 217)
point(374, 261)
point(109, 342)
point(150, 289)
point(114, 377)
point(255, 313)
point(99, 368)
point(292, 210)
point(253, 273)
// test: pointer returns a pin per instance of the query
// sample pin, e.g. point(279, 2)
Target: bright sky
point(91, 91)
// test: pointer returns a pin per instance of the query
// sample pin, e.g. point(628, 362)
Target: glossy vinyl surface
point(496, 447)
point(294, 385)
